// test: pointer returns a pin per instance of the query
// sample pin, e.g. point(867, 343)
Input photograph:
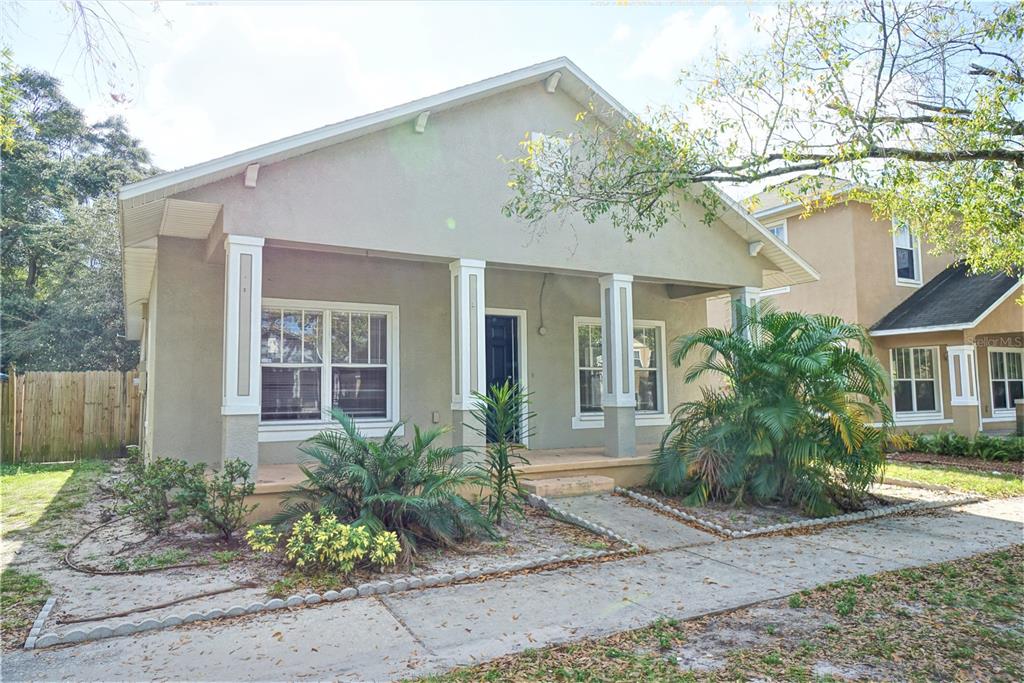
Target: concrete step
point(569, 486)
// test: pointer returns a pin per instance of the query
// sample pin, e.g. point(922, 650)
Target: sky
point(217, 77)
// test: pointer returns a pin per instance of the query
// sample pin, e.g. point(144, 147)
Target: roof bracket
point(421, 121)
point(252, 171)
point(754, 248)
point(551, 82)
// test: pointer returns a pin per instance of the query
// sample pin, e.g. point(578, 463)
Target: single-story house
point(367, 266)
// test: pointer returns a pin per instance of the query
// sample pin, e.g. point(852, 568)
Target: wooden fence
point(59, 416)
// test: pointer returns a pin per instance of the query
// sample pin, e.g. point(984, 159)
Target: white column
point(469, 366)
point(243, 293)
point(619, 398)
point(748, 296)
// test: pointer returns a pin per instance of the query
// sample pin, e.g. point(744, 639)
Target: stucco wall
point(440, 194)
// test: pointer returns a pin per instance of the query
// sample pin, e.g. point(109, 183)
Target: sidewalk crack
point(404, 625)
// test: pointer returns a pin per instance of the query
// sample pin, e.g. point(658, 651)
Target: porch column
point(469, 369)
point(965, 408)
point(243, 293)
point(747, 295)
point(619, 398)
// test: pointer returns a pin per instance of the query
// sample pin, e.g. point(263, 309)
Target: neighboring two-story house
point(953, 342)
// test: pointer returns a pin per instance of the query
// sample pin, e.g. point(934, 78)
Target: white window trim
point(643, 419)
point(918, 265)
point(271, 431)
point(784, 238)
point(520, 314)
point(1002, 414)
point(968, 375)
point(917, 416)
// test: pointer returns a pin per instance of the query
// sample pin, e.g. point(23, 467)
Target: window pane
point(903, 237)
point(360, 392)
point(905, 268)
point(1013, 366)
point(360, 338)
point(291, 394)
point(1000, 399)
point(902, 363)
point(925, 396)
point(589, 346)
point(339, 338)
point(647, 390)
point(645, 350)
point(378, 339)
point(270, 335)
point(311, 339)
point(998, 365)
point(903, 395)
point(923, 368)
point(1016, 391)
point(291, 323)
point(590, 391)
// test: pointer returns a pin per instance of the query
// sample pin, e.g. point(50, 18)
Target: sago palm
point(788, 421)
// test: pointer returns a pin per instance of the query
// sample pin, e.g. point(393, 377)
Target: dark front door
point(502, 335)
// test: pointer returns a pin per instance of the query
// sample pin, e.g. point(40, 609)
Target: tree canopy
point(918, 105)
point(59, 237)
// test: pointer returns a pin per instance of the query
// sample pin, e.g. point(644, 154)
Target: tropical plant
point(262, 538)
point(219, 501)
point(389, 485)
point(790, 423)
point(504, 418)
point(983, 446)
point(322, 543)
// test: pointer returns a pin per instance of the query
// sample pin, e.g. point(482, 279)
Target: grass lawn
point(986, 484)
point(951, 621)
point(21, 596)
point(34, 493)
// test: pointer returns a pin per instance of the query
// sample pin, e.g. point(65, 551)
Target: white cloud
point(683, 38)
point(621, 33)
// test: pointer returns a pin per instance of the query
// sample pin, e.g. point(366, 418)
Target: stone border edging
point(78, 635)
point(803, 524)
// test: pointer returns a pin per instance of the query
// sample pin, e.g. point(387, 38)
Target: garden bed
point(963, 462)
point(739, 520)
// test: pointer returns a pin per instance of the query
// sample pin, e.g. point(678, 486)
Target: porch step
point(569, 486)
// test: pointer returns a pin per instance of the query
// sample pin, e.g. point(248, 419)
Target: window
point(907, 252)
point(780, 230)
point(915, 381)
point(329, 356)
point(1006, 370)
point(648, 361)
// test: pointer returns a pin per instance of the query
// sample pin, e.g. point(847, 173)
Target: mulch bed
point(964, 463)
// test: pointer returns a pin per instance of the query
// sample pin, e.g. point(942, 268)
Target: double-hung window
point(648, 371)
point(1006, 370)
point(321, 356)
point(907, 252)
point(915, 382)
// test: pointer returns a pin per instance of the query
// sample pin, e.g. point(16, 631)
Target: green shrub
point(790, 424)
point(220, 500)
point(388, 485)
point(983, 446)
point(262, 538)
point(152, 494)
point(503, 415)
point(325, 544)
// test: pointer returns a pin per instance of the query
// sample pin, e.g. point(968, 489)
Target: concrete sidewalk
point(427, 631)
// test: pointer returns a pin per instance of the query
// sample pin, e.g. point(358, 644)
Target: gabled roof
point(954, 299)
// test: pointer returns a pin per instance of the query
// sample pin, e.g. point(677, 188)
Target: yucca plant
point(788, 424)
point(503, 419)
point(387, 484)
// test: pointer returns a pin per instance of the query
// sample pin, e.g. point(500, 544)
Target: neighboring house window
point(915, 381)
point(780, 230)
point(907, 252)
point(648, 361)
point(1006, 369)
point(550, 155)
point(316, 360)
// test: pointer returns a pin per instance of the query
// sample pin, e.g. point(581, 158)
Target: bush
point(147, 491)
point(220, 500)
point(790, 423)
point(263, 538)
point(409, 488)
point(983, 446)
point(503, 415)
point(325, 544)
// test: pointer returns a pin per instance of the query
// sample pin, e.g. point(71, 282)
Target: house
point(367, 266)
point(952, 342)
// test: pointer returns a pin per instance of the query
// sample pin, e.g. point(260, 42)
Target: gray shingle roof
point(953, 297)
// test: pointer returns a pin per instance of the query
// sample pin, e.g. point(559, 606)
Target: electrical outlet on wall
point(435, 417)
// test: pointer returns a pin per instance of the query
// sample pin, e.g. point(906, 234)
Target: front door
point(502, 351)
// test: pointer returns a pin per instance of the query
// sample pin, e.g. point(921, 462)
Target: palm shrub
point(388, 485)
point(503, 418)
point(789, 422)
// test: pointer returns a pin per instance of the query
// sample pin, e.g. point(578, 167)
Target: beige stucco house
point(367, 266)
point(953, 342)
